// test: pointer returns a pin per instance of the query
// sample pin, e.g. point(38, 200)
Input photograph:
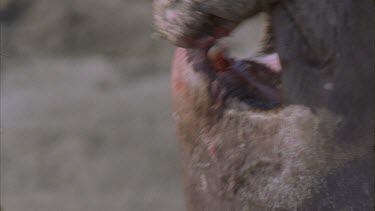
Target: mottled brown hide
point(251, 159)
point(313, 153)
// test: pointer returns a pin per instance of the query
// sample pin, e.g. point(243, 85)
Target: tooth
point(215, 52)
point(217, 55)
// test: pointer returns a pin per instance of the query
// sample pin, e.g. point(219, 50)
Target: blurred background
point(85, 107)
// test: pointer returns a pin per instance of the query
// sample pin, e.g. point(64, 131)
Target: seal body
point(315, 152)
point(249, 159)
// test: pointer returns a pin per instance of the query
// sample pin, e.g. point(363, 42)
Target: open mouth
point(251, 83)
point(233, 83)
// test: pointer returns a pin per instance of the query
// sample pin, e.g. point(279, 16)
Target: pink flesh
point(272, 61)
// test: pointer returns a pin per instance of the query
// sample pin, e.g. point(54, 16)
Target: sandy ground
point(85, 120)
point(84, 140)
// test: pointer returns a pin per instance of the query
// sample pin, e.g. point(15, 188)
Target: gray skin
point(242, 160)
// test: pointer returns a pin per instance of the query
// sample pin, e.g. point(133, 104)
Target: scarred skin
point(315, 152)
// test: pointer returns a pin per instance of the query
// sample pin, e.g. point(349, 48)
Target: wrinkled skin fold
point(315, 152)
